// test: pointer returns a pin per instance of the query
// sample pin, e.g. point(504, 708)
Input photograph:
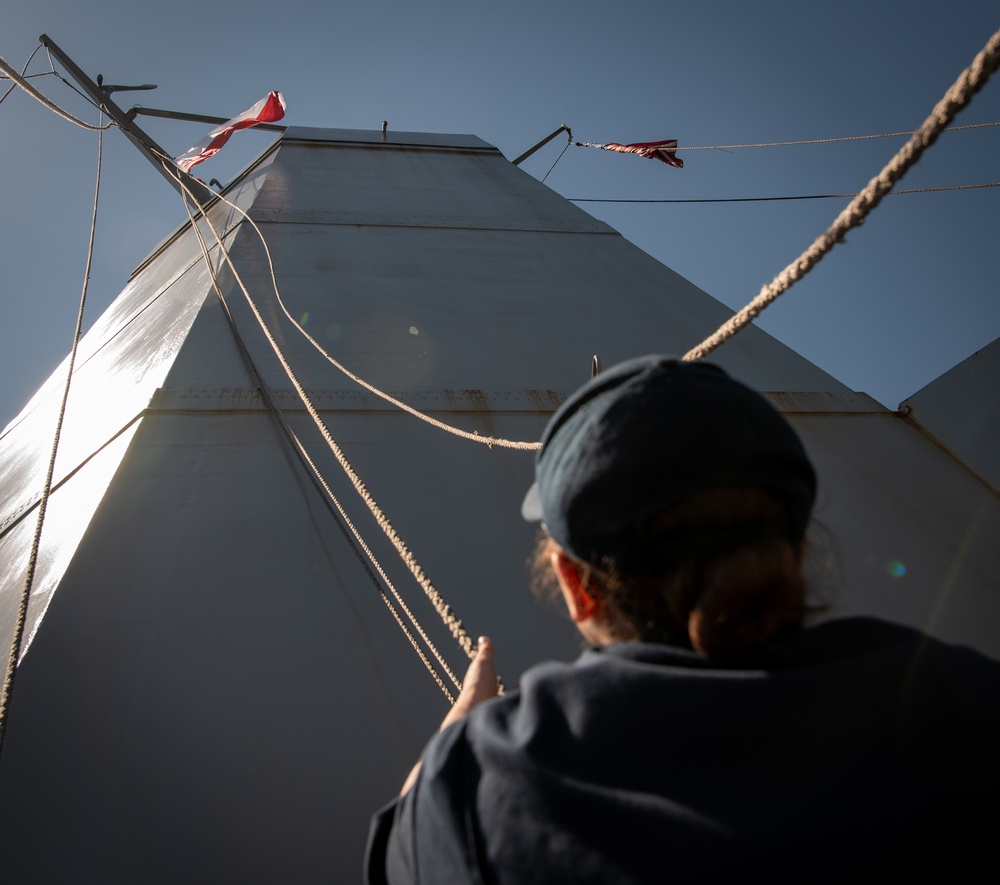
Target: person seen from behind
point(706, 733)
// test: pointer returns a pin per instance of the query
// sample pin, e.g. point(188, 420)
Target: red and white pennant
point(664, 151)
point(267, 110)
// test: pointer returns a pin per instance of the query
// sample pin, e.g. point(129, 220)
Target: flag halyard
point(664, 151)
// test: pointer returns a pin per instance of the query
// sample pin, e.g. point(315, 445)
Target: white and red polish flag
point(267, 110)
point(664, 151)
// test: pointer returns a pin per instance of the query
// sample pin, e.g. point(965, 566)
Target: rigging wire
point(553, 166)
point(444, 611)
point(80, 92)
point(765, 144)
point(319, 482)
point(34, 93)
point(22, 612)
point(13, 85)
point(734, 147)
point(894, 193)
point(969, 82)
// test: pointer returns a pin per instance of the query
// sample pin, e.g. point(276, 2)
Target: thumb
point(480, 683)
point(481, 677)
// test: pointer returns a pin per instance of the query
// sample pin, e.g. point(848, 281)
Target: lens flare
point(895, 569)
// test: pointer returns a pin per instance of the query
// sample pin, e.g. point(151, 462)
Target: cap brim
point(531, 507)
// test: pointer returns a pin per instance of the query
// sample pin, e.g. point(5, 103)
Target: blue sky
point(911, 293)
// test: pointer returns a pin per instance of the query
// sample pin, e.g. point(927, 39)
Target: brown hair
point(739, 593)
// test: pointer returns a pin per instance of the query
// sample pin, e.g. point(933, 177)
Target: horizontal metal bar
point(193, 118)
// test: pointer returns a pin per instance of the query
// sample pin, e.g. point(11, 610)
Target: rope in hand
point(444, 611)
point(969, 82)
point(22, 612)
point(34, 93)
point(329, 498)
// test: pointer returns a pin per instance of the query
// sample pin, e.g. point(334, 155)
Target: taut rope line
point(969, 82)
point(392, 589)
point(22, 612)
point(464, 434)
point(323, 487)
point(445, 612)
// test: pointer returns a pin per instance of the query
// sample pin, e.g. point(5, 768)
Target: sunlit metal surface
point(914, 533)
point(217, 691)
point(121, 362)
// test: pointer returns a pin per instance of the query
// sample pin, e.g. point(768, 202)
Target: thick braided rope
point(34, 93)
point(444, 611)
point(22, 612)
point(456, 431)
point(388, 583)
point(331, 498)
point(322, 484)
point(969, 82)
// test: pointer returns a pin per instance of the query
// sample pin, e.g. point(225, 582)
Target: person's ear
point(581, 602)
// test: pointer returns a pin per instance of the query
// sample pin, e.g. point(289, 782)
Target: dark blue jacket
point(855, 750)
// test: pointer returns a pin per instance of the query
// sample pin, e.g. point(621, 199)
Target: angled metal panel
point(912, 533)
point(961, 409)
point(121, 362)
